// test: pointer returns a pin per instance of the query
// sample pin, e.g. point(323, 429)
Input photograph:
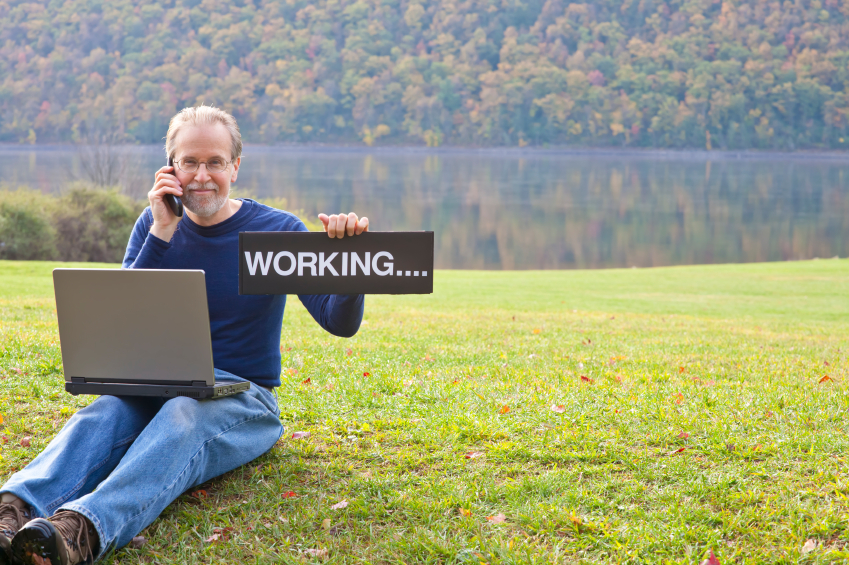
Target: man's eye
point(190, 162)
point(216, 163)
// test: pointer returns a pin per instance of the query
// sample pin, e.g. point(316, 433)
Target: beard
point(206, 205)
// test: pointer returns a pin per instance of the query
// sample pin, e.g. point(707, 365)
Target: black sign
point(313, 263)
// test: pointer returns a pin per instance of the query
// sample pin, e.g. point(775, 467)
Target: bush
point(94, 225)
point(83, 224)
point(26, 231)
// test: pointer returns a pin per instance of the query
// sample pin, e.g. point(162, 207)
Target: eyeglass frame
point(177, 163)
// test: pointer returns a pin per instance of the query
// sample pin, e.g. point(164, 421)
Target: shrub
point(26, 231)
point(94, 225)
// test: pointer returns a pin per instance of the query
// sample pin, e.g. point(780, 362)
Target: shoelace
point(12, 517)
point(74, 529)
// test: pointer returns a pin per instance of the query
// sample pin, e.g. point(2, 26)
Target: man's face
point(205, 192)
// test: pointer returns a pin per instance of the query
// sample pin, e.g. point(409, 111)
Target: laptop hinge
point(199, 383)
point(78, 380)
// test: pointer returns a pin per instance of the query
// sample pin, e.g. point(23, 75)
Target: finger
point(341, 220)
point(351, 224)
point(362, 225)
point(168, 184)
point(324, 219)
point(331, 225)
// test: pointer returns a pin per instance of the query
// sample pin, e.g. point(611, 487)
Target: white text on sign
point(286, 263)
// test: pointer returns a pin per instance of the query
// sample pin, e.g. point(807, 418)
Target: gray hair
point(202, 116)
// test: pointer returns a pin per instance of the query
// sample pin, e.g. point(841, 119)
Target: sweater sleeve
point(144, 250)
point(339, 314)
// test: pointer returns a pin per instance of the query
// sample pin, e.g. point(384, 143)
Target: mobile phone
point(173, 202)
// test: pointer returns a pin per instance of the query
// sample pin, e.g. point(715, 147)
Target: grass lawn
point(635, 415)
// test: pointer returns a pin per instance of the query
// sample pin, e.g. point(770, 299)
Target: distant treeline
point(646, 73)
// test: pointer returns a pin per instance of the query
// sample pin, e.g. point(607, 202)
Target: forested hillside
point(640, 73)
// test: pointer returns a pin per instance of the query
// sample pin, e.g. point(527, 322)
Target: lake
point(527, 209)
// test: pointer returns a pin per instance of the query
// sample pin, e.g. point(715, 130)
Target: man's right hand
point(164, 220)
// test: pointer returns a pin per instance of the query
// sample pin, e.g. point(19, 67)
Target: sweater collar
point(243, 215)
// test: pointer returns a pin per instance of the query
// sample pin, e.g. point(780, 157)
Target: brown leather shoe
point(12, 519)
point(66, 538)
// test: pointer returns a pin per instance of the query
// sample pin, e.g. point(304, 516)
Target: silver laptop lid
point(134, 325)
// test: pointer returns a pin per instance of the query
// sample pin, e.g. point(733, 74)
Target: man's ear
point(236, 165)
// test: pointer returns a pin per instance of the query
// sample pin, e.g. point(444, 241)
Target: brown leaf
point(681, 369)
point(307, 381)
point(474, 454)
point(325, 523)
point(559, 408)
point(26, 441)
point(349, 351)
point(677, 451)
point(138, 542)
point(711, 559)
point(366, 374)
point(504, 409)
point(497, 519)
point(809, 546)
point(586, 379)
point(340, 505)
point(200, 494)
point(288, 494)
point(300, 435)
point(321, 553)
point(537, 330)
point(827, 365)
point(292, 371)
point(465, 511)
point(826, 379)
point(16, 370)
point(684, 435)
point(678, 398)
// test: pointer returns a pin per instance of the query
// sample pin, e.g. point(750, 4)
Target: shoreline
point(516, 152)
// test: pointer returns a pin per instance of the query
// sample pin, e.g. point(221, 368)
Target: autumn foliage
point(700, 74)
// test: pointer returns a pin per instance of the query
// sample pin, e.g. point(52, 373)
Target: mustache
point(208, 185)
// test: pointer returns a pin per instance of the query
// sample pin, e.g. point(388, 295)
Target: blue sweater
point(245, 329)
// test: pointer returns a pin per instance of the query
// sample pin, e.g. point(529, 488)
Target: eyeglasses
point(190, 165)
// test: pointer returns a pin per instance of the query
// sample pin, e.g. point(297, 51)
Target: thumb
point(325, 219)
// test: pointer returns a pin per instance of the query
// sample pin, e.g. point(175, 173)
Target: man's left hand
point(338, 225)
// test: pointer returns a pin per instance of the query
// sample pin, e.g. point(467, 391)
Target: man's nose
point(202, 175)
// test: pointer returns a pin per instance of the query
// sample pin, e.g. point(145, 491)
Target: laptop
point(137, 332)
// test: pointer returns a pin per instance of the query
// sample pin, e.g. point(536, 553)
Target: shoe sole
point(35, 544)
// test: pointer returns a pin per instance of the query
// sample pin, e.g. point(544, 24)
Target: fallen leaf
point(16, 370)
point(684, 435)
point(1, 418)
point(340, 505)
point(316, 552)
point(826, 364)
point(474, 454)
point(366, 374)
point(138, 542)
point(825, 379)
point(537, 330)
point(465, 511)
point(349, 351)
point(809, 546)
point(200, 494)
point(292, 371)
point(679, 398)
point(26, 441)
point(213, 538)
point(5, 439)
point(681, 369)
point(497, 519)
point(559, 408)
point(300, 435)
point(288, 494)
point(677, 451)
point(428, 358)
point(504, 409)
point(307, 381)
point(710, 559)
point(325, 523)
point(586, 379)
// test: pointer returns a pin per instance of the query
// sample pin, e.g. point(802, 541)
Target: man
point(141, 453)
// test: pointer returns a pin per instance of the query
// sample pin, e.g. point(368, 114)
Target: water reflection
point(507, 210)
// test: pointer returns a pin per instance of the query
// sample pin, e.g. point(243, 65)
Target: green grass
point(731, 355)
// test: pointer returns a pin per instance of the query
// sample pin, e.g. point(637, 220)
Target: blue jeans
point(141, 453)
